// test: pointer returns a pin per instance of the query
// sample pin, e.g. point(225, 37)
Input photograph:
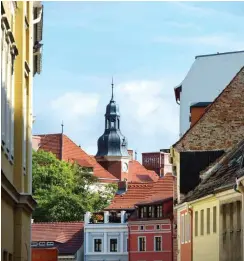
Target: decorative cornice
point(22, 200)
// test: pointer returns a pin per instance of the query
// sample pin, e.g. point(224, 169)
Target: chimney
point(130, 152)
point(167, 164)
point(197, 110)
point(123, 185)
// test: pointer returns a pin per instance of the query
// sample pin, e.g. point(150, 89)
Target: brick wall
point(222, 126)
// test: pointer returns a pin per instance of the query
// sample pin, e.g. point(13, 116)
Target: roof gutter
point(192, 202)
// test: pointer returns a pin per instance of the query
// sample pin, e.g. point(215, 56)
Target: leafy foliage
point(65, 191)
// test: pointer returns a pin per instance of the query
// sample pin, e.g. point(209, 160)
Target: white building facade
point(106, 241)
point(207, 77)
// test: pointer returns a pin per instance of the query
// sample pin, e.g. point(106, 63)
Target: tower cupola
point(112, 142)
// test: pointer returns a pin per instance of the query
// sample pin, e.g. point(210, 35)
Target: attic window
point(42, 243)
point(50, 243)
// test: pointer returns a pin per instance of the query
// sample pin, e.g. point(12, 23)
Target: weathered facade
point(19, 20)
point(215, 210)
point(155, 161)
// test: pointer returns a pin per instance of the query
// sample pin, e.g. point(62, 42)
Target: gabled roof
point(218, 110)
point(143, 193)
point(65, 149)
point(221, 175)
point(138, 173)
point(68, 235)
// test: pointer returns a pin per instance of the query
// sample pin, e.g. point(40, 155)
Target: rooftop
point(143, 193)
point(65, 149)
point(69, 235)
point(221, 174)
point(216, 54)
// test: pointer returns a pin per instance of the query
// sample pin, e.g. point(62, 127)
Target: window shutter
point(24, 129)
point(8, 101)
point(12, 115)
point(3, 88)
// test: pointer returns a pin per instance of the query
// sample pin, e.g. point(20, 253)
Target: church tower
point(112, 151)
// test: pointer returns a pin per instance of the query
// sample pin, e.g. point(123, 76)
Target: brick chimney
point(197, 110)
point(123, 185)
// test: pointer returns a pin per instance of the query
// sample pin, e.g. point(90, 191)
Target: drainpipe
point(39, 17)
point(240, 188)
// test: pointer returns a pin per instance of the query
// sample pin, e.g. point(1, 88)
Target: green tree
point(65, 191)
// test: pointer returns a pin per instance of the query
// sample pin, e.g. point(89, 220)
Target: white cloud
point(76, 109)
point(148, 109)
point(75, 104)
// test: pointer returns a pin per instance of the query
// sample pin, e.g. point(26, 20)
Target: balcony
point(119, 217)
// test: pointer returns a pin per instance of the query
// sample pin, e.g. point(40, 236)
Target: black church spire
point(112, 142)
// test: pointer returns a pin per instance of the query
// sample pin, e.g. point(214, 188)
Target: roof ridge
point(216, 54)
point(58, 222)
point(209, 107)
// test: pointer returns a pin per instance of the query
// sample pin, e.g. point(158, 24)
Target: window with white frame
point(141, 244)
point(97, 245)
point(7, 94)
point(182, 229)
point(113, 245)
point(158, 243)
point(127, 244)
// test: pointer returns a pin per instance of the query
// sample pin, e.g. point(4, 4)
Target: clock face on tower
point(124, 167)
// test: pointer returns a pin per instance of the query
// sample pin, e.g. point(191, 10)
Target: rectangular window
point(153, 211)
point(10, 257)
point(113, 245)
point(150, 211)
point(186, 228)
point(24, 128)
point(202, 222)
point(144, 212)
point(196, 223)
point(97, 245)
point(3, 87)
point(158, 243)
point(214, 219)
point(208, 220)
point(141, 244)
point(5, 256)
point(141, 212)
point(182, 225)
point(159, 211)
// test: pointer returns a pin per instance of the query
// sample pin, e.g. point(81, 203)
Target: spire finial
point(112, 84)
point(62, 126)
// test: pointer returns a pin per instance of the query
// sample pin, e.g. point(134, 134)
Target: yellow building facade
point(18, 25)
point(205, 232)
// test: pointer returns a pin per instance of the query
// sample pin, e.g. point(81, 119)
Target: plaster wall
point(207, 77)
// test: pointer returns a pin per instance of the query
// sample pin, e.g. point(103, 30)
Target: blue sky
point(147, 47)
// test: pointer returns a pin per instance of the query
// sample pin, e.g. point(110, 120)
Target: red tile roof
point(138, 173)
point(69, 235)
point(70, 152)
point(144, 193)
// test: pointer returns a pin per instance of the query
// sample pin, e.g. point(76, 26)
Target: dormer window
point(34, 244)
point(50, 243)
point(42, 243)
